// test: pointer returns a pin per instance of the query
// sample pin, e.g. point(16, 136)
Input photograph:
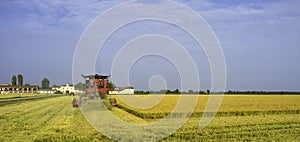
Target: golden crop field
point(6, 96)
point(51, 119)
point(230, 103)
point(54, 119)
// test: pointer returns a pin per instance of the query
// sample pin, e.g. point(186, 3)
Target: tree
point(80, 86)
point(163, 91)
point(208, 91)
point(176, 91)
point(169, 92)
point(20, 80)
point(191, 92)
point(111, 86)
point(201, 92)
point(14, 80)
point(45, 83)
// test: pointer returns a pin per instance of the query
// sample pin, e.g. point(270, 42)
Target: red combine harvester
point(96, 85)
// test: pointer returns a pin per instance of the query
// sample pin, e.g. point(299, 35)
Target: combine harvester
point(95, 86)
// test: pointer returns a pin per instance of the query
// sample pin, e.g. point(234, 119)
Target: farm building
point(46, 91)
point(65, 89)
point(15, 89)
point(122, 90)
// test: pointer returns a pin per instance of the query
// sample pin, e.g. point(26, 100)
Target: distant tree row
point(18, 80)
point(261, 92)
point(176, 91)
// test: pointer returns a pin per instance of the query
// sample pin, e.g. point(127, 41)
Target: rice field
point(231, 105)
point(242, 128)
point(7, 96)
point(51, 119)
point(54, 119)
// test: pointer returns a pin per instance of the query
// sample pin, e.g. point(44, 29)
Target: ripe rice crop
point(7, 96)
point(232, 105)
point(54, 119)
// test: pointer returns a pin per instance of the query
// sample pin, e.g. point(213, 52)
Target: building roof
point(45, 89)
point(96, 76)
point(66, 85)
point(123, 88)
point(69, 85)
point(17, 86)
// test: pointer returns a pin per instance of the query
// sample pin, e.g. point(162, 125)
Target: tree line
point(176, 91)
point(18, 80)
point(45, 84)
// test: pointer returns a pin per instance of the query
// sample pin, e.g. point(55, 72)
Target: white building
point(65, 89)
point(122, 90)
point(16, 89)
point(46, 91)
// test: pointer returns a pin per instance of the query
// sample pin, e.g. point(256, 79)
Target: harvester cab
point(96, 86)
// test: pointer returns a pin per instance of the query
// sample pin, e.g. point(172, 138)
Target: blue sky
point(260, 41)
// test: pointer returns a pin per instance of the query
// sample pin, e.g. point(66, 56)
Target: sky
point(259, 39)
